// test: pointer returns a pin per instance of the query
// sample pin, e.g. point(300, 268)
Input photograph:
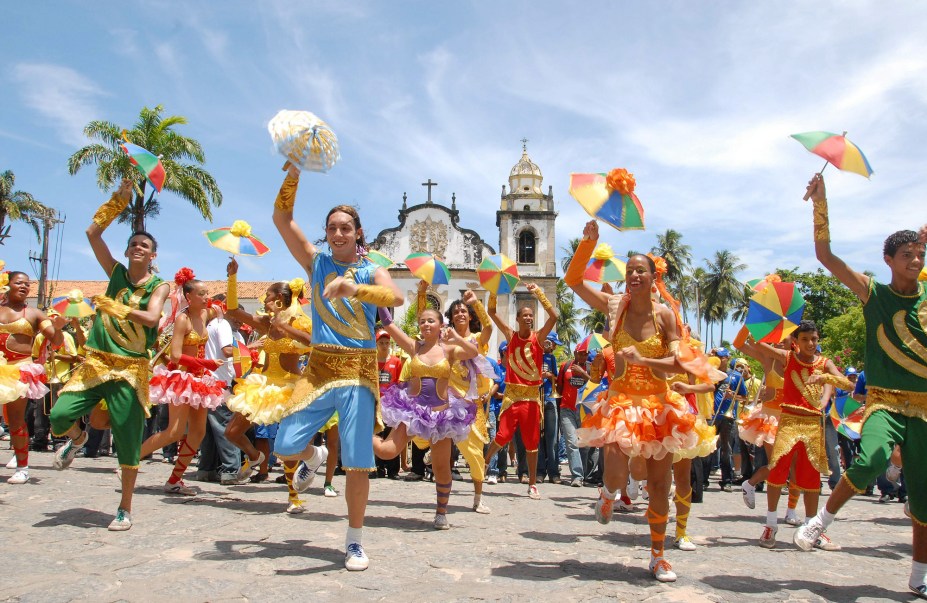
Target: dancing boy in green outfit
point(896, 372)
point(116, 369)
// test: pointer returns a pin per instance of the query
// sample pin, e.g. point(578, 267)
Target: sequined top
point(113, 335)
point(636, 378)
point(344, 321)
point(774, 381)
point(440, 370)
point(20, 326)
point(193, 338)
point(799, 396)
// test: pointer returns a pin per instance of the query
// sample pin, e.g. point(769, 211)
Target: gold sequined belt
point(909, 404)
point(516, 392)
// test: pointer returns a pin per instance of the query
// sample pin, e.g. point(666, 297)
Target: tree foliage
point(19, 206)
point(845, 338)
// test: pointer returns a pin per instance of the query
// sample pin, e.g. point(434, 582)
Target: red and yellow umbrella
point(604, 267)
point(592, 343)
point(428, 268)
point(73, 305)
point(147, 163)
point(237, 239)
point(610, 198)
point(775, 312)
point(837, 150)
point(498, 274)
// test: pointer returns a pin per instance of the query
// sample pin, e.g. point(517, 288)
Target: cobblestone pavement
point(235, 543)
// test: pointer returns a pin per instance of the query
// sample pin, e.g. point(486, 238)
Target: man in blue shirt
point(727, 394)
point(548, 454)
point(498, 464)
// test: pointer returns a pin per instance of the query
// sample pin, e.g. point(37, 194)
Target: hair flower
point(75, 296)
point(659, 263)
point(603, 251)
point(296, 287)
point(240, 228)
point(183, 275)
point(621, 180)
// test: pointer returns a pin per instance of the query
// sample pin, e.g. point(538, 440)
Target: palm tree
point(567, 313)
point(593, 321)
point(568, 252)
point(19, 206)
point(722, 290)
point(677, 255)
point(181, 156)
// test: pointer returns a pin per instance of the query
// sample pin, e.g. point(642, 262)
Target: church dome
point(525, 167)
point(525, 178)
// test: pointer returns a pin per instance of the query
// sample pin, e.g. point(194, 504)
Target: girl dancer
point(426, 406)
point(21, 379)
point(639, 415)
point(186, 384)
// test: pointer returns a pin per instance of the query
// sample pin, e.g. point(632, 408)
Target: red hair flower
point(183, 275)
point(621, 180)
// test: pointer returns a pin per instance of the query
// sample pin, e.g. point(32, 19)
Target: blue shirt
point(495, 404)
point(861, 384)
point(343, 321)
point(549, 362)
point(734, 381)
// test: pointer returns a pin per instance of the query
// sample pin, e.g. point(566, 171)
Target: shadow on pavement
point(849, 592)
point(594, 571)
point(76, 518)
point(229, 550)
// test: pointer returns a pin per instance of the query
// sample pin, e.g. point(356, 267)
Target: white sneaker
point(179, 488)
point(122, 522)
point(330, 491)
point(295, 507)
point(749, 491)
point(12, 463)
point(355, 559)
point(808, 535)
point(604, 508)
point(645, 495)
point(792, 518)
point(305, 470)
point(481, 508)
point(634, 488)
point(893, 475)
point(441, 522)
point(533, 493)
point(248, 467)
point(20, 477)
point(623, 507)
point(826, 544)
point(65, 455)
point(427, 458)
point(768, 539)
point(492, 480)
point(662, 570)
point(684, 544)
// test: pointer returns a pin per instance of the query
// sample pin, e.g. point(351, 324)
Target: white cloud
point(60, 94)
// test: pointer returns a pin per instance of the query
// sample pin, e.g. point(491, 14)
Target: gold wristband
point(44, 323)
point(841, 382)
point(377, 295)
point(107, 212)
point(481, 313)
point(821, 222)
point(286, 198)
point(493, 301)
point(108, 305)
point(231, 292)
point(421, 302)
point(538, 293)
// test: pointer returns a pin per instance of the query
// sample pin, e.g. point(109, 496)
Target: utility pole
point(49, 220)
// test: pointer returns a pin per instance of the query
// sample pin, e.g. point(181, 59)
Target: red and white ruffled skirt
point(759, 426)
point(180, 387)
point(23, 380)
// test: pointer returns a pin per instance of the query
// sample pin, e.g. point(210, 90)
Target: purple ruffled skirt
point(421, 421)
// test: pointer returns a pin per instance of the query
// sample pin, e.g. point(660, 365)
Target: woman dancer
point(426, 406)
point(21, 379)
point(639, 415)
point(263, 397)
point(470, 320)
point(186, 384)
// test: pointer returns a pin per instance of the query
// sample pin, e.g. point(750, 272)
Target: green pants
point(881, 432)
point(125, 414)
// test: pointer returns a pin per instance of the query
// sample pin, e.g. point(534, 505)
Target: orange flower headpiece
point(184, 275)
point(661, 268)
point(621, 180)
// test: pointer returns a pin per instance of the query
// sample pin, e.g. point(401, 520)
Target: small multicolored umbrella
point(837, 150)
point(237, 239)
point(593, 342)
point(588, 395)
point(305, 140)
point(73, 305)
point(498, 274)
point(428, 268)
point(775, 312)
point(610, 198)
point(241, 359)
point(147, 163)
point(604, 267)
point(758, 284)
point(379, 259)
point(847, 416)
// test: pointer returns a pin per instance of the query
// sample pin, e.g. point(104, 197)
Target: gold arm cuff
point(674, 346)
point(421, 302)
point(493, 302)
point(286, 198)
point(231, 292)
point(841, 382)
point(110, 306)
point(377, 295)
point(538, 293)
point(44, 323)
point(481, 314)
point(107, 212)
point(821, 221)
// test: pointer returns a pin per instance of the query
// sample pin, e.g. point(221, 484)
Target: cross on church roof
point(429, 184)
point(524, 144)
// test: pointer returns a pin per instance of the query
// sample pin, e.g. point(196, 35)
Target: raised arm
point(302, 250)
point(103, 217)
point(857, 283)
point(597, 300)
point(259, 323)
point(460, 348)
point(476, 305)
point(505, 329)
point(548, 307)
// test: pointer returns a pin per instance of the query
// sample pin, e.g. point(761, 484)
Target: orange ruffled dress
point(760, 425)
point(639, 412)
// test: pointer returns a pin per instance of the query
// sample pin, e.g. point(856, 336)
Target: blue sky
point(696, 99)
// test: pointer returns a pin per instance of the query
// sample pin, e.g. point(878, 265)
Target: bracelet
point(107, 212)
point(821, 222)
point(377, 295)
point(286, 198)
point(481, 313)
point(44, 323)
point(841, 382)
point(493, 300)
point(539, 294)
point(231, 293)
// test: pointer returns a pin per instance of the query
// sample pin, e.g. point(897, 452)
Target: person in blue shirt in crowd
point(728, 393)
point(496, 472)
point(548, 454)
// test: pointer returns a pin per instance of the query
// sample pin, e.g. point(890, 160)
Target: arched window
point(526, 247)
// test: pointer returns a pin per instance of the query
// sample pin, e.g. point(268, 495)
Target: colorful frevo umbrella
point(498, 274)
point(758, 284)
point(241, 359)
point(604, 267)
point(837, 150)
point(588, 395)
point(305, 140)
point(237, 239)
point(428, 268)
point(73, 305)
point(147, 163)
point(610, 198)
point(593, 342)
point(847, 416)
point(379, 259)
point(775, 312)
